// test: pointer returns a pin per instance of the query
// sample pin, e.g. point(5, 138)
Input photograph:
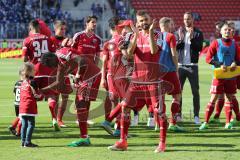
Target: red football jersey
point(171, 40)
point(89, 45)
point(35, 45)
point(68, 64)
point(57, 41)
point(112, 53)
point(28, 104)
point(146, 66)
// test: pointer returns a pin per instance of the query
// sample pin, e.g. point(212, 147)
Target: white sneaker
point(77, 122)
point(151, 122)
point(134, 121)
point(115, 126)
point(197, 120)
point(90, 122)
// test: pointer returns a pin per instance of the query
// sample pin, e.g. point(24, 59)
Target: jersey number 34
point(40, 48)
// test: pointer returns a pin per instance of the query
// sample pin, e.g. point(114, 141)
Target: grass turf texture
point(215, 143)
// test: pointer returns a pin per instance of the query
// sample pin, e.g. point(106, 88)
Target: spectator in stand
point(99, 10)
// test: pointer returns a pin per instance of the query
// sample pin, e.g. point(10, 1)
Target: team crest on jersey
point(94, 41)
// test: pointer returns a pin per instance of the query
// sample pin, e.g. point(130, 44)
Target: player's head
point(164, 24)
point(125, 26)
point(34, 26)
point(91, 23)
point(143, 19)
point(67, 42)
point(226, 31)
point(49, 60)
point(232, 26)
point(113, 22)
point(188, 19)
point(218, 26)
point(27, 70)
point(172, 26)
point(60, 28)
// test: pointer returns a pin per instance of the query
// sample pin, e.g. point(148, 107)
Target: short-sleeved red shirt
point(89, 45)
point(146, 66)
point(35, 45)
point(112, 53)
point(57, 41)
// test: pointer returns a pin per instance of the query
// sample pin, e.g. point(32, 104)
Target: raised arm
point(133, 43)
point(153, 44)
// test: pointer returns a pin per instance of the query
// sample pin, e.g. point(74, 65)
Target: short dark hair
point(89, 18)
point(34, 24)
point(49, 59)
point(219, 24)
point(141, 12)
point(189, 13)
point(113, 22)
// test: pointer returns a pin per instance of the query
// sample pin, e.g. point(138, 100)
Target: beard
point(145, 26)
point(188, 24)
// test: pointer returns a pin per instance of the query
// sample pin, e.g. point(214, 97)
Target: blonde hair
point(27, 69)
point(164, 21)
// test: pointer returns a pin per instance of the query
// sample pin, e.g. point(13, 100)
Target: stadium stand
point(18, 13)
point(207, 12)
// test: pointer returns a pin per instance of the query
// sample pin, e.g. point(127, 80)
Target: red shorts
point(141, 92)
point(220, 86)
point(173, 81)
point(238, 82)
point(88, 90)
point(121, 86)
point(111, 87)
point(141, 103)
point(67, 88)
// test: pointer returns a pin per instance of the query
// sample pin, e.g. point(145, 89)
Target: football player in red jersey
point(86, 72)
point(34, 46)
point(145, 82)
point(109, 54)
point(169, 65)
point(223, 52)
point(60, 32)
point(87, 42)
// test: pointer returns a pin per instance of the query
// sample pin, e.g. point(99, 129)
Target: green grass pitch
point(215, 143)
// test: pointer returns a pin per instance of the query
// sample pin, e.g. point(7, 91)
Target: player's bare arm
point(104, 71)
point(153, 44)
point(133, 43)
point(175, 56)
